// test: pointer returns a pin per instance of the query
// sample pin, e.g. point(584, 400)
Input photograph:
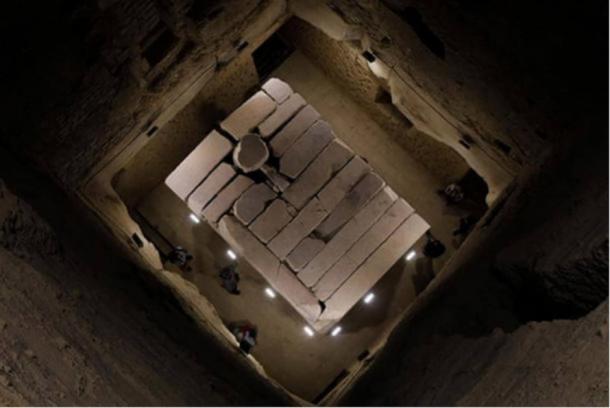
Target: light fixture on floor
point(231, 254)
point(269, 292)
point(309, 331)
point(411, 255)
point(369, 298)
point(194, 218)
point(335, 331)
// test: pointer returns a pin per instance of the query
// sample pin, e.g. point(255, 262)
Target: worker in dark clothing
point(180, 257)
point(229, 278)
point(245, 333)
point(433, 248)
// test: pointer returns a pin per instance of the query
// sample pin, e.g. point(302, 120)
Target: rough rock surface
point(86, 327)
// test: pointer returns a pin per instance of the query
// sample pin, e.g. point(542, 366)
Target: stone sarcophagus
point(308, 214)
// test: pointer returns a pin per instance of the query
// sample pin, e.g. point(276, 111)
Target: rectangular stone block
point(303, 253)
point(330, 161)
point(225, 199)
point(347, 236)
point(252, 202)
point(300, 227)
point(198, 164)
point(247, 246)
point(249, 115)
point(367, 275)
point(287, 285)
point(277, 89)
point(282, 114)
point(279, 182)
point(305, 149)
point(366, 245)
point(343, 182)
point(351, 203)
point(210, 187)
point(293, 129)
point(271, 221)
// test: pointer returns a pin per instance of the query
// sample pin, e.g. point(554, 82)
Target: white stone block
point(367, 275)
point(252, 202)
point(210, 187)
point(282, 114)
point(277, 89)
point(287, 285)
point(293, 129)
point(247, 246)
point(365, 246)
point(225, 199)
point(322, 169)
point(303, 253)
point(305, 149)
point(300, 227)
point(198, 164)
point(271, 221)
point(343, 182)
point(249, 115)
point(347, 236)
point(355, 199)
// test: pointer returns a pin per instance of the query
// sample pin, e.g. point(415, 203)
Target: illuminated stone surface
point(305, 149)
point(331, 160)
point(277, 89)
point(271, 221)
point(198, 164)
point(335, 276)
point(303, 253)
point(253, 202)
point(301, 226)
point(282, 114)
point(374, 267)
point(362, 192)
point(210, 187)
point(291, 132)
point(343, 182)
point(225, 199)
point(314, 220)
point(347, 236)
point(249, 115)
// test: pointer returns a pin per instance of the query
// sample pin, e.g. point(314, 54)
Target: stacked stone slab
point(315, 221)
point(198, 164)
point(249, 115)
